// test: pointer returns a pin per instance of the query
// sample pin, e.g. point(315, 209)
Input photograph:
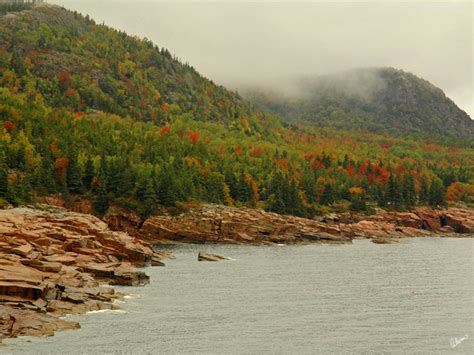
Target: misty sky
point(241, 43)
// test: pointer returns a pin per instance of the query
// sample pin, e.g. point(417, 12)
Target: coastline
point(55, 262)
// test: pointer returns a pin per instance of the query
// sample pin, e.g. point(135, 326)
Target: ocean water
point(411, 297)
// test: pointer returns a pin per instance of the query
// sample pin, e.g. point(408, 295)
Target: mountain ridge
point(376, 99)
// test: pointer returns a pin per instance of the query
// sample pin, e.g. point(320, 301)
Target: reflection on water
point(409, 297)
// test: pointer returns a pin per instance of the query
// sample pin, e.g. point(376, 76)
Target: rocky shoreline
point(55, 262)
point(221, 224)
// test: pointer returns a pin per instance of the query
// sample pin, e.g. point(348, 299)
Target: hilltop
point(373, 99)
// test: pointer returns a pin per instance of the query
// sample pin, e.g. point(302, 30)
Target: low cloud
point(242, 44)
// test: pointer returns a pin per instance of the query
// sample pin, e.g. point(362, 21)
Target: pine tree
point(4, 188)
point(127, 180)
point(437, 195)
point(409, 192)
point(167, 188)
point(276, 193)
point(244, 190)
point(88, 174)
point(309, 185)
point(394, 192)
point(46, 181)
point(424, 191)
point(294, 205)
point(214, 184)
point(101, 203)
point(73, 176)
point(327, 197)
point(378, 195)
point(149, 200)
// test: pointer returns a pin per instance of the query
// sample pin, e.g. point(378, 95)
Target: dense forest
point(89, 112)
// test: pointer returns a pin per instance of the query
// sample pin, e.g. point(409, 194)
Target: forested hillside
point(79, 65)
point(89, 112)
point(373, 99)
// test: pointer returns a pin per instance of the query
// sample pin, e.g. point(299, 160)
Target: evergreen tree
point(327, 197)
point(128, 179)
point(394, 192)
point(45, 181)
point(378, 195)
point(167, 188)
point(244, 190)
point(276, 194)
point(424, 191)
point(4, 188)
point(309, 185)
point(409, 192)
point(294, 204)
point(88, 174)
point(101, 202)
point(437, 193)
point(73, 176)
point(214, 185)
point(149, 200)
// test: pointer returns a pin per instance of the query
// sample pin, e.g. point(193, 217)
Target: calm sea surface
point(362, 298)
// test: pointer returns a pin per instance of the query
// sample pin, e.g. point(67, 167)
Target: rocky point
point(54, 262)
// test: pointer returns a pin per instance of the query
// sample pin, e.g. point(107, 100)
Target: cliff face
point(53, 263)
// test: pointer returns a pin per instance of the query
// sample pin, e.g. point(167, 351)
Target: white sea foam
point(131, 295)
point(107, 311)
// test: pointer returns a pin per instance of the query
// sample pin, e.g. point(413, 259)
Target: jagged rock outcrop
point(53, 262)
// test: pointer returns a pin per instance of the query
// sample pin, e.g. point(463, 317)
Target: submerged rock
point(385, 241)
point(210, 257)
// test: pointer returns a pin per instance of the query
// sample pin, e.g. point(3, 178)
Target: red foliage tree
point(165, 130)
point(257, 151)
point(193, 137)
point(9, 126)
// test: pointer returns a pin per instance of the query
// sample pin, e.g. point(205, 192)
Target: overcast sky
point(242, 43)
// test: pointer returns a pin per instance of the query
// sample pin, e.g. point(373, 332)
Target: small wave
point(281, 245)
point(107, 311)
